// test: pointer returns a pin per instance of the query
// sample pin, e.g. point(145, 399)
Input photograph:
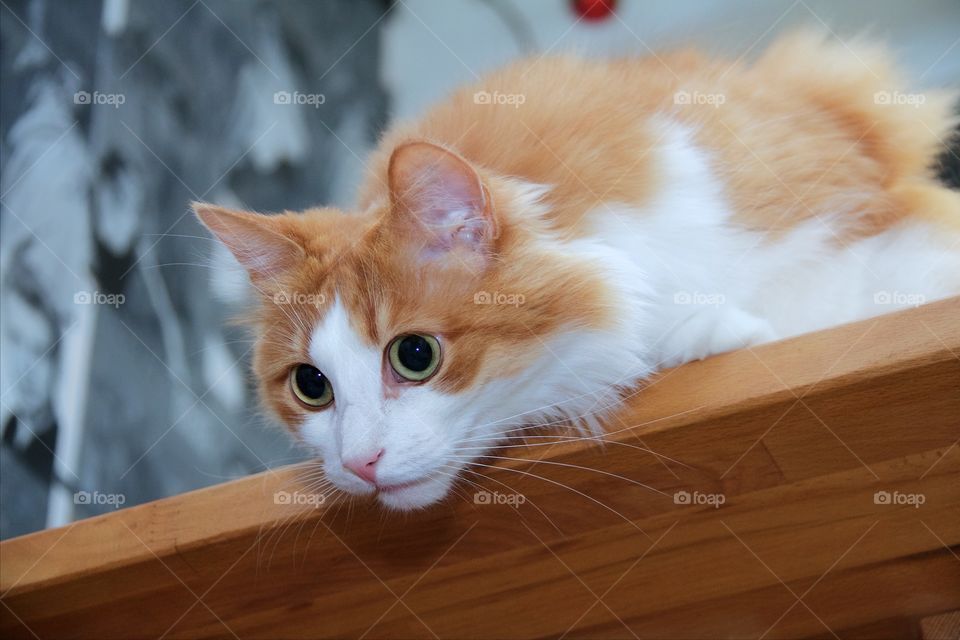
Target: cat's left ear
point(261, 243)
point(440, 191)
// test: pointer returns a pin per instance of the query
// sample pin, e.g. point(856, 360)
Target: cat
point(538, 245)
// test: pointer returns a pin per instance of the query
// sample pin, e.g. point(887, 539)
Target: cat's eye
point(414, 356)
point(310, 386)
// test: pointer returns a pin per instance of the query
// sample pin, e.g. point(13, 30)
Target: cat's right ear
point(257, 241)
point(440, 200)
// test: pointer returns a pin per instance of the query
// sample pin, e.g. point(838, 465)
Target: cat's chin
point(415, 496)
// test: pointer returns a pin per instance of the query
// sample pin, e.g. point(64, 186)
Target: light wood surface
point(797, 437)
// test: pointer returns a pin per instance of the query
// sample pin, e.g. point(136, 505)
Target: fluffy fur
point(621, 217)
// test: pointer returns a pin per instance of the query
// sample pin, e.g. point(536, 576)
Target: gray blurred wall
point(122, 382)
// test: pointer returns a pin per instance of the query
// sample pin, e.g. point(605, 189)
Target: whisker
point(569, 488)
point(581, 468)
point(566, 440)
point(513, 491)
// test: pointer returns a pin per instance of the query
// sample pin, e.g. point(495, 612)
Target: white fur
point(411, 429)
point(719, 287)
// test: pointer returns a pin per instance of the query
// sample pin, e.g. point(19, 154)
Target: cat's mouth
point(415, 494)
point(393, 488)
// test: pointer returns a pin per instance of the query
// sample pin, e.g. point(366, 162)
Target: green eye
point(414, 356)
point(310, 386)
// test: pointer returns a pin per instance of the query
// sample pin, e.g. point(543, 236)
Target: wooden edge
point(677, 399)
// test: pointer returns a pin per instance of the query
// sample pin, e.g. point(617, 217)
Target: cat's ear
point(438, 196)
point(257, 241)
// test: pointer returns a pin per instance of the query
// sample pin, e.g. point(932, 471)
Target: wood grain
point(943, 627)
point(796, 438)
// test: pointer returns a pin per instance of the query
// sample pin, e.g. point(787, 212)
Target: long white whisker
point(514, 491)
point(569, 488)
point(579, 467)
point(563, 440)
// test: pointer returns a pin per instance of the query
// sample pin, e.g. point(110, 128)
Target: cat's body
point(566, 228)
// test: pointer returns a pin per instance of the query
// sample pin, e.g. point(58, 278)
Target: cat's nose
point(365, 467)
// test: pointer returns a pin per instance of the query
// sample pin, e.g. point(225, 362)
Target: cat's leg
point(713, 330)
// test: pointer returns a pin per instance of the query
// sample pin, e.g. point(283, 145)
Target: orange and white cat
point(537, 245)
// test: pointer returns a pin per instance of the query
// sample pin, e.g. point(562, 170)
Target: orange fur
point(799, 131)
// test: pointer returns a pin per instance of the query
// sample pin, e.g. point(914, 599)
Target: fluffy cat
point(537, 245)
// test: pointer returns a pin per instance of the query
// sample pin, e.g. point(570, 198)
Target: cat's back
point(828, 120)
point(577, 125)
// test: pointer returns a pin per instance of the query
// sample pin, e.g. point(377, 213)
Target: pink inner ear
point(253, 239)
point(444, 194)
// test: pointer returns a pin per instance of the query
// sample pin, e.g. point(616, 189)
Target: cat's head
point(401, 342)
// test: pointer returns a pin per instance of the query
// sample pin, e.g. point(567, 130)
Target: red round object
point(594, 9)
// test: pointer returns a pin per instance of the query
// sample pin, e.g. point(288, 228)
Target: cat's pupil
point(415, 353)
point(311, 382)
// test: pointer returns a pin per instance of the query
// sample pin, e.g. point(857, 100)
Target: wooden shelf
point(797, 437)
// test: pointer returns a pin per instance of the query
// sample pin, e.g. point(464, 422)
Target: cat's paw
point(714, 330)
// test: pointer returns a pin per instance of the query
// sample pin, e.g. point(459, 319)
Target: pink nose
point(365, 467)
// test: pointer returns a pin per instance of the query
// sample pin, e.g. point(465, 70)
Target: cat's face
point(401, 342)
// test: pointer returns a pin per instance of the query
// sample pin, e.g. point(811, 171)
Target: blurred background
point(122, 380)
